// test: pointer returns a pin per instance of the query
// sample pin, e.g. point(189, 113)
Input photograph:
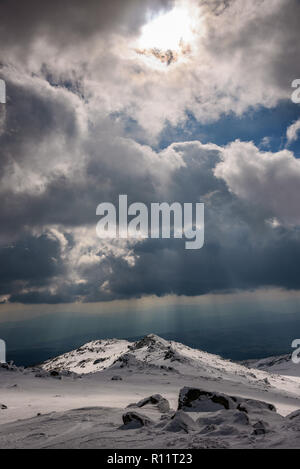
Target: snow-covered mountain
point(90, 358)
point(151, 352)
point(151, 393)
point(281, 365)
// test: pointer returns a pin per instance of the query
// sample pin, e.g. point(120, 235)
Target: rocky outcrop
point(181, 422)
point(199, 400)
point(157, 400)
point(135, 420)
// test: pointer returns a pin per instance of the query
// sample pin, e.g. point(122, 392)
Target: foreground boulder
point(260, 428)
point(181, 422)
point(294, 415)
point(199, 400)
point(135, 420)
point(155, 400)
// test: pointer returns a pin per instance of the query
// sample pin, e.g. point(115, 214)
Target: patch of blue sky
point(265, 127)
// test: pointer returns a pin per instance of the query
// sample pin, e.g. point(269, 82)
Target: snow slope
point(91, 357)
point(53, 407)
point(282, 365)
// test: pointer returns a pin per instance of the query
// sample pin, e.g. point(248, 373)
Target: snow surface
point(73, 402)
point(281, 365)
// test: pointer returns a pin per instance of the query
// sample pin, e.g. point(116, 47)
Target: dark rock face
point(294, 416)
point(174, 356)
point(198, 400)
point(156, 400)
point(181, 422)
point(116, 378)
point(247, 405)
point(128, 359)
point(3, 406)
point(151, 341)
point(260, 428)
point(135, 420)
point(99, 360)
point(9, 366)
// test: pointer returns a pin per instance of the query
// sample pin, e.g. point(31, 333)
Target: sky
point(185, 100)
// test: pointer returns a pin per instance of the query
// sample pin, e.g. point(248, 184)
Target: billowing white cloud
point(232, 65)
point(76, 85)
point(269, 181)
point(292, 131)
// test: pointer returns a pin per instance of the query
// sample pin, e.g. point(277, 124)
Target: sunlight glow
point(168, 31)
point(167, 38)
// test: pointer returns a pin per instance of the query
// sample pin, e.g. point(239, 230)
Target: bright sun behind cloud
point(167, 31)
point(167, 37)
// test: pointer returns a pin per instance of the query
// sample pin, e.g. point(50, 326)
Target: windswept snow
point(75, 400)
point(91, 357)
point(281, 365)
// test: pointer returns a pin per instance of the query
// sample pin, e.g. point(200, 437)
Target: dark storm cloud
point(267, 43)
point(64, 21)
point(30, 263)
point(241, 251)
point(60, 158)
point(223, 265)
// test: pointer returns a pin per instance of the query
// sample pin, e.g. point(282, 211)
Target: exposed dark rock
point(56, 374)
point(181, 422)
point(99, 360)
point(249, 405)
point(135, 420)
point(116, 378)
point(156, 400)
point(152, 341)
point(294, 415)
point(260, 428)
point(198, 400)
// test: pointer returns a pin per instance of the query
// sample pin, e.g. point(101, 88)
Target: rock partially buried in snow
point(213, 421)
point(3, 406)
point(116, 378)
point(198, 400)
point(181, 422)
point(294, 415)
point(250, 406)
point(135, 420)
point(152, 341)
point(260, 428)
point(155, 400)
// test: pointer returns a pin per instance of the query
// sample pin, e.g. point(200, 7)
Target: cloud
point(241, 251)
point(75, 85)
point(94, 49)
point(62, 22)
point(292, 131)
point(266, 180)
point(31, 263)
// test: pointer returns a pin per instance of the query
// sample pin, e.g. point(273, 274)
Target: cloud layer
point(81, 126)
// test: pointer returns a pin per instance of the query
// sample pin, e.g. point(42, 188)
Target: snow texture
point(183, 398)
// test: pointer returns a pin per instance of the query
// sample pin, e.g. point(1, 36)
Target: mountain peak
point(150, 340)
